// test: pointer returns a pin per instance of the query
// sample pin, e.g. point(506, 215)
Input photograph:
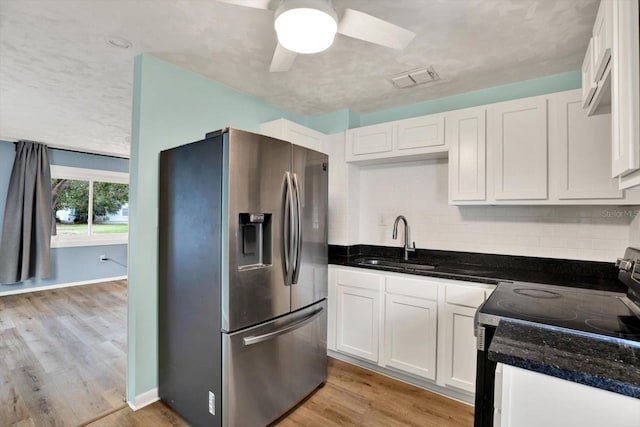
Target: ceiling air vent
point(415, 77)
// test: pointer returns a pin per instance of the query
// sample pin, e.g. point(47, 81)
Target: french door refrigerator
point(242, 278)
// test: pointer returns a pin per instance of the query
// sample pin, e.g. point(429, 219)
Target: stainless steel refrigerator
point(242, 278)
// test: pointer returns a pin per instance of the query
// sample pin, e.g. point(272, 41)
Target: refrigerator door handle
point(289, 328)
point(288, 238)
point(298, 243)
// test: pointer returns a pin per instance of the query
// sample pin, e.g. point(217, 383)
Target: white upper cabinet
point(581, 147)
point(589, 83)
point(420, 132)
point(625, 93)
point(517, 131)
point(410, 139)
point(466, 139)
point(596, 68)
point(370, 142)
point(541, 150)
point(294, 133)
point(602, 38)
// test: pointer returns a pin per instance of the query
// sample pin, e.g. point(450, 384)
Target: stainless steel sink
point(400, 265)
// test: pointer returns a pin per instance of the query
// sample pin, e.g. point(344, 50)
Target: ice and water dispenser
point(255, 240)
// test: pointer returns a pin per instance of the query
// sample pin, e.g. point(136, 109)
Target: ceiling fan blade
point(257, 4)
point(282, 59)
point(360, 25)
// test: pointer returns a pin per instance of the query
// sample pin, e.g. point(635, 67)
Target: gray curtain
point(26, 231)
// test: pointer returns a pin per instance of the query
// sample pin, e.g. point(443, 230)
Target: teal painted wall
point(523, 89)
point(71, 264)
point(334, 122)
point(171, 107)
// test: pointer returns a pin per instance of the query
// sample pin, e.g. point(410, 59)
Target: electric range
point(611, 314)
point(597, 312)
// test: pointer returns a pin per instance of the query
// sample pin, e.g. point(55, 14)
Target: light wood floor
point(351, 397)
point(62, 355)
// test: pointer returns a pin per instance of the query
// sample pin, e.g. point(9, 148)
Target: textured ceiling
point(62, 84)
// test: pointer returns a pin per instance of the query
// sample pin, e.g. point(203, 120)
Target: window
point(90, 207)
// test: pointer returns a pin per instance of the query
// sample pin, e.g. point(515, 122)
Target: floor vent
point(415, 77)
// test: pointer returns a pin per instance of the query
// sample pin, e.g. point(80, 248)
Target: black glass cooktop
point(603, 313)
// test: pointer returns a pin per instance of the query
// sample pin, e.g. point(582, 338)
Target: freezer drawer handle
point(289, 328)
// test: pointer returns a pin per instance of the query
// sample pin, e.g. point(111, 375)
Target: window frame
point(91, 175)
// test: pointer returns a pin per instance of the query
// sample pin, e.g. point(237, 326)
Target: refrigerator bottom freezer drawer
point(269, 368)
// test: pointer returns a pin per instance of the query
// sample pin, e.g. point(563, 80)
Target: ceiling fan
point(310, 26)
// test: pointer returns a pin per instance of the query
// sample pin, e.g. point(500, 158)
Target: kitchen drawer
point(357, 279)
point(464, 295)
point(412, 288)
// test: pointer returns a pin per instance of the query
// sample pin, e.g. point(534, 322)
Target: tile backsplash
point(418, 190)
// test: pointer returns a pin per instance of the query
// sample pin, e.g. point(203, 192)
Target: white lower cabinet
point(411, 326)
point(358, 314)
point(530, 399)
point(457, 342)
point(404, 324)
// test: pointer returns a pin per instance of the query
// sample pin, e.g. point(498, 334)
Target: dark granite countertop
point(487, 268)
point(604, 362)
point(595, 360)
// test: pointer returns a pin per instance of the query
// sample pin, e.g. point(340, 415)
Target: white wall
point(418, 190)
point(344, 197)
point(634, 231)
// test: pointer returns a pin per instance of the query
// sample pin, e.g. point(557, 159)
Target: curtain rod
point(80, 152)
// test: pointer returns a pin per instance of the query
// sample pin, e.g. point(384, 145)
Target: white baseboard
point(459, 395)
point(59, 285)
point(144, 399)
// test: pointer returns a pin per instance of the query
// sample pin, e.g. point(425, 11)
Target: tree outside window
point(89, 207)
point(73, 203)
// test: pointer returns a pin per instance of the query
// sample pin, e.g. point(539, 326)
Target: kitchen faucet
point(407, 248)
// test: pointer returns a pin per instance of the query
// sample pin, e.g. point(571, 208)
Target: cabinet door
point(518, 135)
point(420, 132)
point(582, 147)
point(531, 399)
point(589, 84)
point(602, 38)
point(304, 137)
point(459, 353)
point(625, 86)
point(332, 302)
point(410, 335)
point(466, 138)
point(369, 142)
point(294, 133)
point(358, 322)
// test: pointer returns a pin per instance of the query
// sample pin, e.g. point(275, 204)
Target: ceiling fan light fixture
point(306, 26)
